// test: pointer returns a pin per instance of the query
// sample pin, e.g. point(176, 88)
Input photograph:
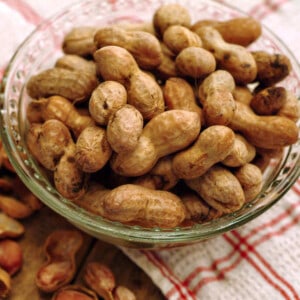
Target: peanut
point(92, 149)
point(59, 108)
point(144, 93)
point(269, 100)
point(166, 133)
point(271, 68)
point(9, 227)
point(250, 178)
point(242, 31)
point(179, 94)
point(195, 62)
point(60, 248)
point(219, 188)
point(74, 292)
point(242, 152)
point(76, 62)
point(80, 41)
point(177, 38)
point(5, 284)
point(11, 256)
point(268, 132)
point(122, 135)
point(100, 279)
point(108, 97)
point(170, 14)
point(71, 84)
point(123, 293)
point(161, 177)
point(212, 146)
point(135, 204)
point(143, 46)
point(235, 59)
point(215, 94)
point(291, 107)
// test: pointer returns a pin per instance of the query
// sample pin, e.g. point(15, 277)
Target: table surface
point(43, 223)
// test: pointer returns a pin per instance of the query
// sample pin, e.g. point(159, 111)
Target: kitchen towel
point(260, 260)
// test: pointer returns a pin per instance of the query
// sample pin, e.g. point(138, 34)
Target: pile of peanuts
point(16, 204)
point(162, 124)
point(59, 268)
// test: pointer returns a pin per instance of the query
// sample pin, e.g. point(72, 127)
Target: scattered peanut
point(123, 293)
point(5, 283)
point(100, 279)
point(9, 227)
point(11, 256)
point(74, 292)
point(59, 268)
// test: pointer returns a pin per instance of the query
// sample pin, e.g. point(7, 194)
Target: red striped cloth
point(260, 260)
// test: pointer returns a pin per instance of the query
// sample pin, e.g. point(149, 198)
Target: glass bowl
point(41, 49)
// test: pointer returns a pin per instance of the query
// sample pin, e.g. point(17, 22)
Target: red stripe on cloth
point(245, 255)
point(296, 189)
point(182, 290)
point(219, 276)
point(273, 221)
point(283, 229)
point(251, 248)
point(2, 73)
point(28, 13)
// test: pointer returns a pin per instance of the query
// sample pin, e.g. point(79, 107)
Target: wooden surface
point(46, 221)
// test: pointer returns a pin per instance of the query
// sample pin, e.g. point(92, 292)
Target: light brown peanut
point(170, 14)
point(166, 133)
point(242, 152)
point(133, 204)
point(59, 108)
point(71, 84)
point(80, 41)
point(108, 97)
point(268, 132)
point(250, 178)
point(144, 93)
point(92, 149)
point(219, 188)
point(178, 37)
point(74, 292)
point(144, 46)
point(235, 59)
point(124, 129)
point(215, 94)
point(9, 227)
point(212, 146)
point(195, 62)
point(242, 31)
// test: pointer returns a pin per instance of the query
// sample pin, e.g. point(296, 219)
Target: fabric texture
point(260, 260)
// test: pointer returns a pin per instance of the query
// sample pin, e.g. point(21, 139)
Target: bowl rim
point(115, 229)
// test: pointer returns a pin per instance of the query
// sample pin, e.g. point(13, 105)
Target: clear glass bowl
point(43, 47)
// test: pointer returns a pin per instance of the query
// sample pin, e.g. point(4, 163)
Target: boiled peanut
point(242, 31)
point(212, 146)
point(166, 133)
point(74, 292)
point(108, 97)
point(235, 59)
point(268, 132)
point(219, 188)
point(123, 135)
point(71, 84)
point(135, 204)
point(92, 149)
point(144, 46)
